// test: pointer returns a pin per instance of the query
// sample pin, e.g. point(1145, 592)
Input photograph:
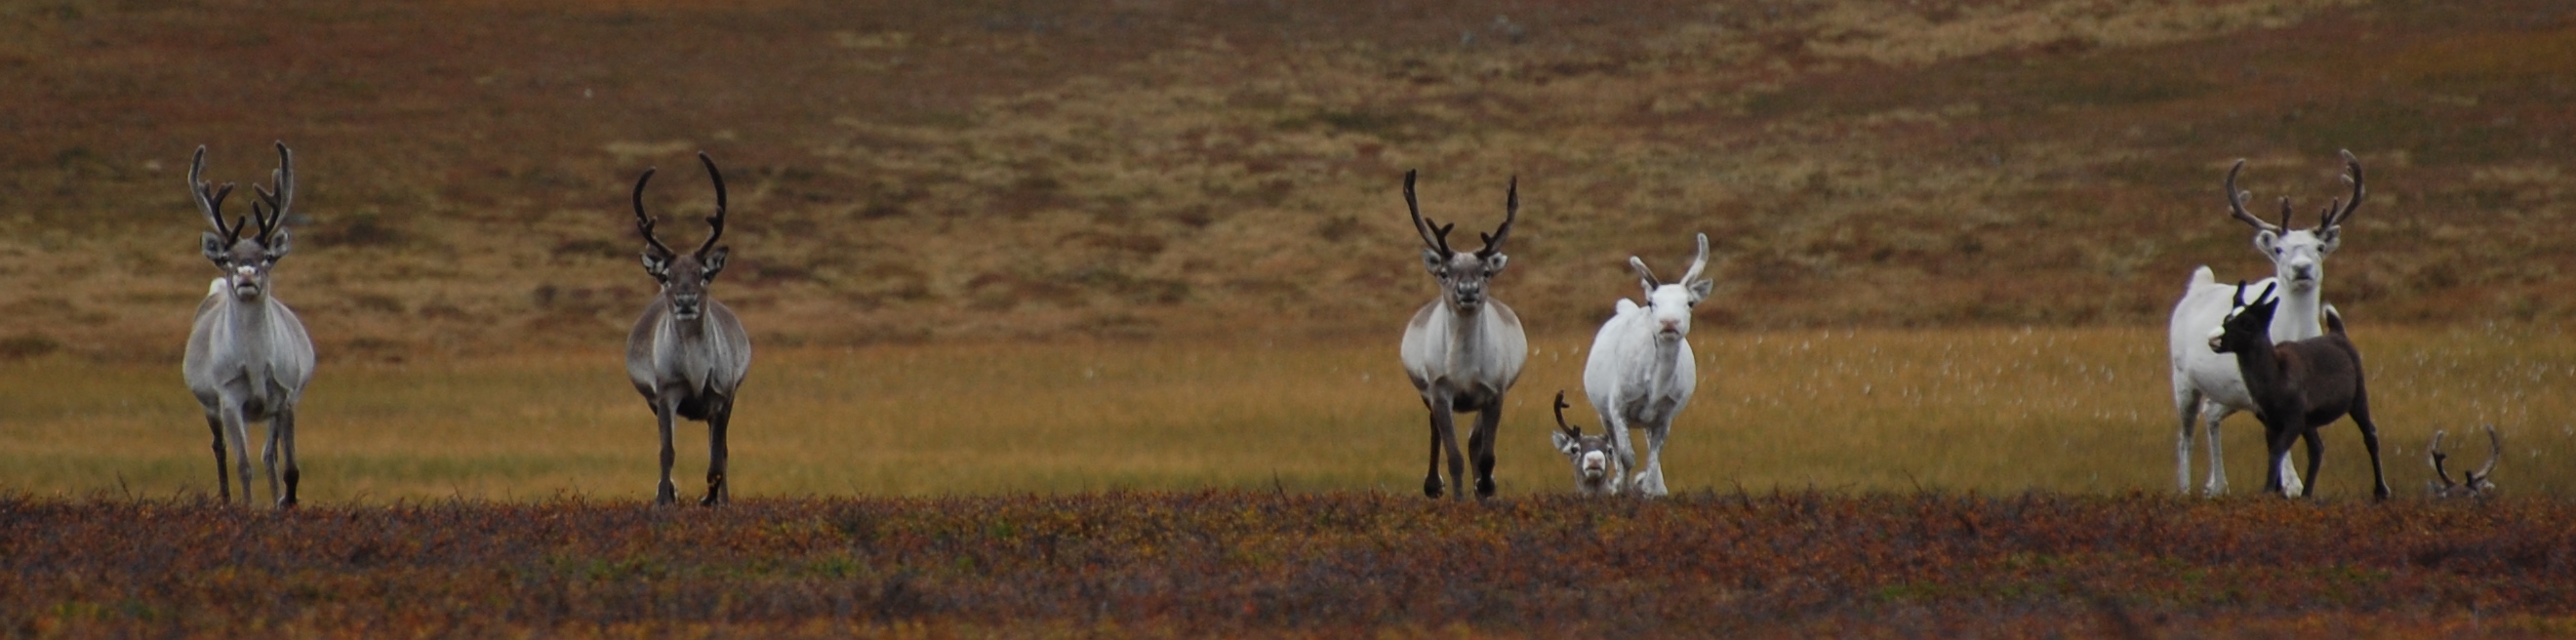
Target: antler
point(278, 201)
point(1511, 211)
point(1569, 430)
point(1435, 237)
point(644, 221)
point(2236, 201)
point(2438, 456)
point(1699, 263)
point(2337, 213)
point(2497, 443)
point(718, 219)
point(210, 199)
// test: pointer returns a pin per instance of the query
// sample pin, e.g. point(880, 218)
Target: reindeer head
point(246, 261)
point(1669, 303)
point(1462, 276)
point(2249, 325)
point(2298, 255)
point(1596, 458)
point(2474, 484)
point(684, 278)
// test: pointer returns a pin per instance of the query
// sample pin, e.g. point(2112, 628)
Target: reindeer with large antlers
point(248, 356)
point(688, 353)
point(2207, 387)
point(2474, 484)
point(1464, 350)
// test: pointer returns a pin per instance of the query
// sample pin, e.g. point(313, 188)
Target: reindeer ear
point(1699, 289)
point(277, 245)
point(1494, 263)
point(1564, 444)
point(1433, 262)
point(657, 264)
point(2266, 242)
point(215, 248)
point(716, 261)
point(2333, 237)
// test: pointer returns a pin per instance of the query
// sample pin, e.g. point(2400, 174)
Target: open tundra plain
point(1080, 319)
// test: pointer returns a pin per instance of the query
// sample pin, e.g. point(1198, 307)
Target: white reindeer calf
point(1640, 373)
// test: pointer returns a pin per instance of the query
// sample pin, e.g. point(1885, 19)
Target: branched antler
point(1434, 237)
point(2337, 214)
point(1570, 430)
point(1511, 211)
point(274, 217)
point(210, 199)
point(644, 221)
point(2236, 201)
point(716, 220)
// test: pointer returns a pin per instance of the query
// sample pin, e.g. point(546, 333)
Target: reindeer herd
point(2281, 354)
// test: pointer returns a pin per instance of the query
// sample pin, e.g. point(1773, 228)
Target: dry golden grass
point(1992, 410)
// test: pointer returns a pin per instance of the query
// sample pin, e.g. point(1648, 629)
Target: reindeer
point(1464, 350)
point(1640, 373)
point(2206, 386)
point(248, 356)
point(2474, 484)
point(2297, 386)
point(688, 353)
point(1597, 470)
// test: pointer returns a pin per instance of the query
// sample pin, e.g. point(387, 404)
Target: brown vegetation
point(940, 170)
point(1261, 564)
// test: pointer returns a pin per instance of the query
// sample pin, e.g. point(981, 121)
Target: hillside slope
point(1007, 170)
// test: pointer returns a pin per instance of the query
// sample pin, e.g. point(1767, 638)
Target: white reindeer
point(1464, 350)
point(2206, 386)
point(1640, 373)
point(248, 356)
point(688, 353)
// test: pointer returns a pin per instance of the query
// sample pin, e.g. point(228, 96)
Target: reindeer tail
point(2334, 320)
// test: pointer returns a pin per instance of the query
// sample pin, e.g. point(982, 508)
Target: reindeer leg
point(282, 429)
point(1431, 481)
point(717, 491)
point(223, 483)
point(2316, 456)
point(2211, 413)
point(2187, 403)
point(239, 427)
point(1445, 422)
point(1653, 477)
point(268, 460)
point(665, 410)
point(1489, 422)
point(2370, 440)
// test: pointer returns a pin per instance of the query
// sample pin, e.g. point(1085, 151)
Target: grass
point(1986, 410)
point(1259, 564)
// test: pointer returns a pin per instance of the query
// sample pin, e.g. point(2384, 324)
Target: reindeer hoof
point(1484, 487)
point(1431, 486)
point(712, 499)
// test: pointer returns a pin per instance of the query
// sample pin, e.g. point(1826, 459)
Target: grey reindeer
point(1464, 350)
point(248, 356)
point(688, 353)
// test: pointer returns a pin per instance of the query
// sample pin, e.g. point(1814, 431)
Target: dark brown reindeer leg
point(717, 491)
point(284, 426)
point(1489, 421)
point(1431, 480)
point(664, 412)
point(223, 483)
point(2370, 440)
point(2316, 457)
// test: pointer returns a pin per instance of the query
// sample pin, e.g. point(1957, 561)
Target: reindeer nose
point(244, 270)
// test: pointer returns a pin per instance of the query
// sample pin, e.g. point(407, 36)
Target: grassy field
point(1259, 564)
point(1987, 410)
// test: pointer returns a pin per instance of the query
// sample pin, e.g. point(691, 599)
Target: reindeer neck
point(2299, 317)
point(2261, 364)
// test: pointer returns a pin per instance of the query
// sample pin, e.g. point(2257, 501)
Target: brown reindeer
point(2297, 387)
